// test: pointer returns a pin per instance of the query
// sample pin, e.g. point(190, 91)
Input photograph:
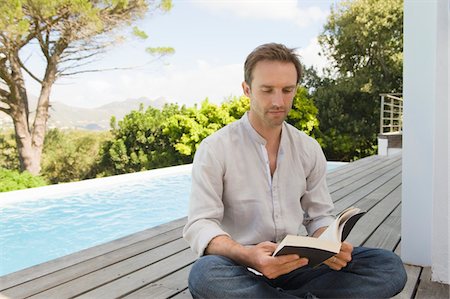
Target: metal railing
point(391, 114)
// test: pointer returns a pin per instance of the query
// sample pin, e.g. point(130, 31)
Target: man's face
point(271, 92)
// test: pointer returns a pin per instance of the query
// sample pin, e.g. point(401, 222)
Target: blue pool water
point(32, 232)
point(35, 231)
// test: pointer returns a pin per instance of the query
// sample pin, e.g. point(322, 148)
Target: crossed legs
point(371, 273)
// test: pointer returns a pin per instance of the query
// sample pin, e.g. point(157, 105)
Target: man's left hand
point(341, 259)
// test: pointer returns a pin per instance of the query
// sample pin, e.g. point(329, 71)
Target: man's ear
point(246, 88)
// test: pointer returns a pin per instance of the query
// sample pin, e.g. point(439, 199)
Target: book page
point(331, 233)
point(301, 241)
point(334, 231)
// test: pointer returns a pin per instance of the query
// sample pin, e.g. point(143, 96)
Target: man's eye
point(288, 90)
point(267, 90)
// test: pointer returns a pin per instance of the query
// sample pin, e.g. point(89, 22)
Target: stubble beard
point(275, 121)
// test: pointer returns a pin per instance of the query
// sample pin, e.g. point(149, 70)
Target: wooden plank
point(344, 170)
point(354, 164)
point(56, 278)
point(166, 287)
point(428, 289)
point(183, 295)
point(366, 203)
point(363, 197)
point(144, 276)
point(387, 235)
point(358, 173)
point(353, 174)
point(349, 185)
point(33, 272)
point(374, 217)
point(409, 291)
point(113, 272)
point(372, 191)
point(381, 192)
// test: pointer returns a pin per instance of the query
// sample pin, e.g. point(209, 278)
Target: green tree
point(68, 34)
point(348, 128)
point(364, 41)
point(303, 114)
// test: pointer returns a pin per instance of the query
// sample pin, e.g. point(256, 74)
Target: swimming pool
point(56, 223)
point(67, 218)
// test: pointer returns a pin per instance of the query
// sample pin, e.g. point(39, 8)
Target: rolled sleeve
point(200, 233)
point(205, 206)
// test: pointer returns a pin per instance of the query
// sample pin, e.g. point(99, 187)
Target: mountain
point(69, 117)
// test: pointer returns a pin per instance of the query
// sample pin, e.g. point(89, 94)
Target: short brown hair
point(272, 52)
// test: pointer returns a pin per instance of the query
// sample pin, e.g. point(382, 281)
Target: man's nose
point(277, 99)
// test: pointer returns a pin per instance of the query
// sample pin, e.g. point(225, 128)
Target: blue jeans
point(371, 273)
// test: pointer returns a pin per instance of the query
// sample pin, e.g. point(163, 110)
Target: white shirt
point(234, 194)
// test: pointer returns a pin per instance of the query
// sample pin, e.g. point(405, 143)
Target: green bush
point(303, 114)
point(153, 138)
point(9, 157)
point(14, 180)
point(138, 143)
point(71, 155)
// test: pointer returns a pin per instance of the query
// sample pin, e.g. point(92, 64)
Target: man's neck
point(270, 134)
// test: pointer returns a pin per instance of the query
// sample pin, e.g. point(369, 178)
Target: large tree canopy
point(364, 41)
point(68, 33)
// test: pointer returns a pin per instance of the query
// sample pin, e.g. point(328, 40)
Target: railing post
point(401, 117)
point(382, 114)
point(391, 116)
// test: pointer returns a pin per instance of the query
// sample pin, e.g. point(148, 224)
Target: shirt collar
point(254, 135)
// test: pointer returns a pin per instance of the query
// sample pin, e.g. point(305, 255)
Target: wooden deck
point(155, 263)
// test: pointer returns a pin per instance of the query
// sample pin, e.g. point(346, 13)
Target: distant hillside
point(65, 116)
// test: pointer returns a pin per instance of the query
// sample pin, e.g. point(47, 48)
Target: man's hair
point(271, 52)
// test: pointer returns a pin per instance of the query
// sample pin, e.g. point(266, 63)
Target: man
point(257, 180)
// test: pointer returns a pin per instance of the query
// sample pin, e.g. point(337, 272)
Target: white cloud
point(310, 56)
point(184, 86)
point(287, 10)
point(98, 86)
point(216, 82)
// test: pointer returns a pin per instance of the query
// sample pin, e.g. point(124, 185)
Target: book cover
point(327, 245)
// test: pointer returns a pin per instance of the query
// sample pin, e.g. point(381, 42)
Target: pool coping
point(11, 197)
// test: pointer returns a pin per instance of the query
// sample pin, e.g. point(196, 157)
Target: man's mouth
point(276, 111)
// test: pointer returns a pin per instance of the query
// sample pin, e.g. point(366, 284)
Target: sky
point(211, 39)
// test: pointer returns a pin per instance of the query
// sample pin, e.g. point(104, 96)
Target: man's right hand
point(260, 258)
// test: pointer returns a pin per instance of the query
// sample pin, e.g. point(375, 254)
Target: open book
point(327, 245)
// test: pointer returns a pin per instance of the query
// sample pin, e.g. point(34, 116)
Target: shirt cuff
point(318, 223)
point(205, 236)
